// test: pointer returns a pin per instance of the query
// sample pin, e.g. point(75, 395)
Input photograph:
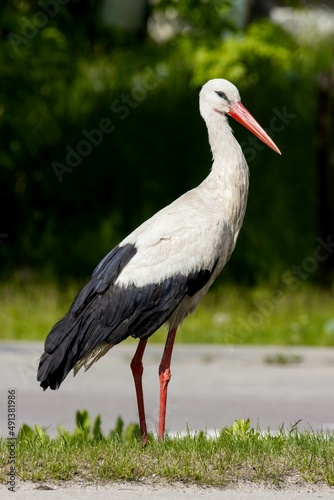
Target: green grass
point(227, 315)
point(239, 453)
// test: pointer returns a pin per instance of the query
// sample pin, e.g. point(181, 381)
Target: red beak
point(240, 113)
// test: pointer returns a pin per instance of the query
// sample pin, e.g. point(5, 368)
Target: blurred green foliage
point(62, 81)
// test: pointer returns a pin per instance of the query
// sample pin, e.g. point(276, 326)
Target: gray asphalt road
point(211, 386)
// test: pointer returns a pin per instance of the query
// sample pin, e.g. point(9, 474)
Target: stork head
point(218, 95)
point(221, 97)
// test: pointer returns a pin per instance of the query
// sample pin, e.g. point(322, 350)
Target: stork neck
point(227, 182)
point(223, 145)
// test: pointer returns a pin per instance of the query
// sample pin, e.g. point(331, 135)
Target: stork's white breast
point(186, 236)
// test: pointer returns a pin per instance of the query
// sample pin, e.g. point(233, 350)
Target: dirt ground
point(72, 490)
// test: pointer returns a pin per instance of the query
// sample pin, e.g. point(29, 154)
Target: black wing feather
point(105, 312)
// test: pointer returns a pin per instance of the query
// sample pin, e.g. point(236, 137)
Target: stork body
point(160, 272)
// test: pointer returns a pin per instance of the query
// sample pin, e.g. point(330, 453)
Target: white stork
point(160, 272)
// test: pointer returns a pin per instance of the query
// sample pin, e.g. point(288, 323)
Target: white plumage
point(159, 273)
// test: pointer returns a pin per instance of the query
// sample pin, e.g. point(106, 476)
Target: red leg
point(165, 376)
point(137, 372)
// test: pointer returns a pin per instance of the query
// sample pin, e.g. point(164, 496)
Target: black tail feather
point(59, 357)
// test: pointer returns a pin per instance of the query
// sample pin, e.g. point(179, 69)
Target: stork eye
point(222, 95)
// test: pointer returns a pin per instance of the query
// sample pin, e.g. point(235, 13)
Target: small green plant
point(241, 428)
point(84, 428)
point(28, 435)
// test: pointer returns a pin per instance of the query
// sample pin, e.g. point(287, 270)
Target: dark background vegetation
point(63, 77)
